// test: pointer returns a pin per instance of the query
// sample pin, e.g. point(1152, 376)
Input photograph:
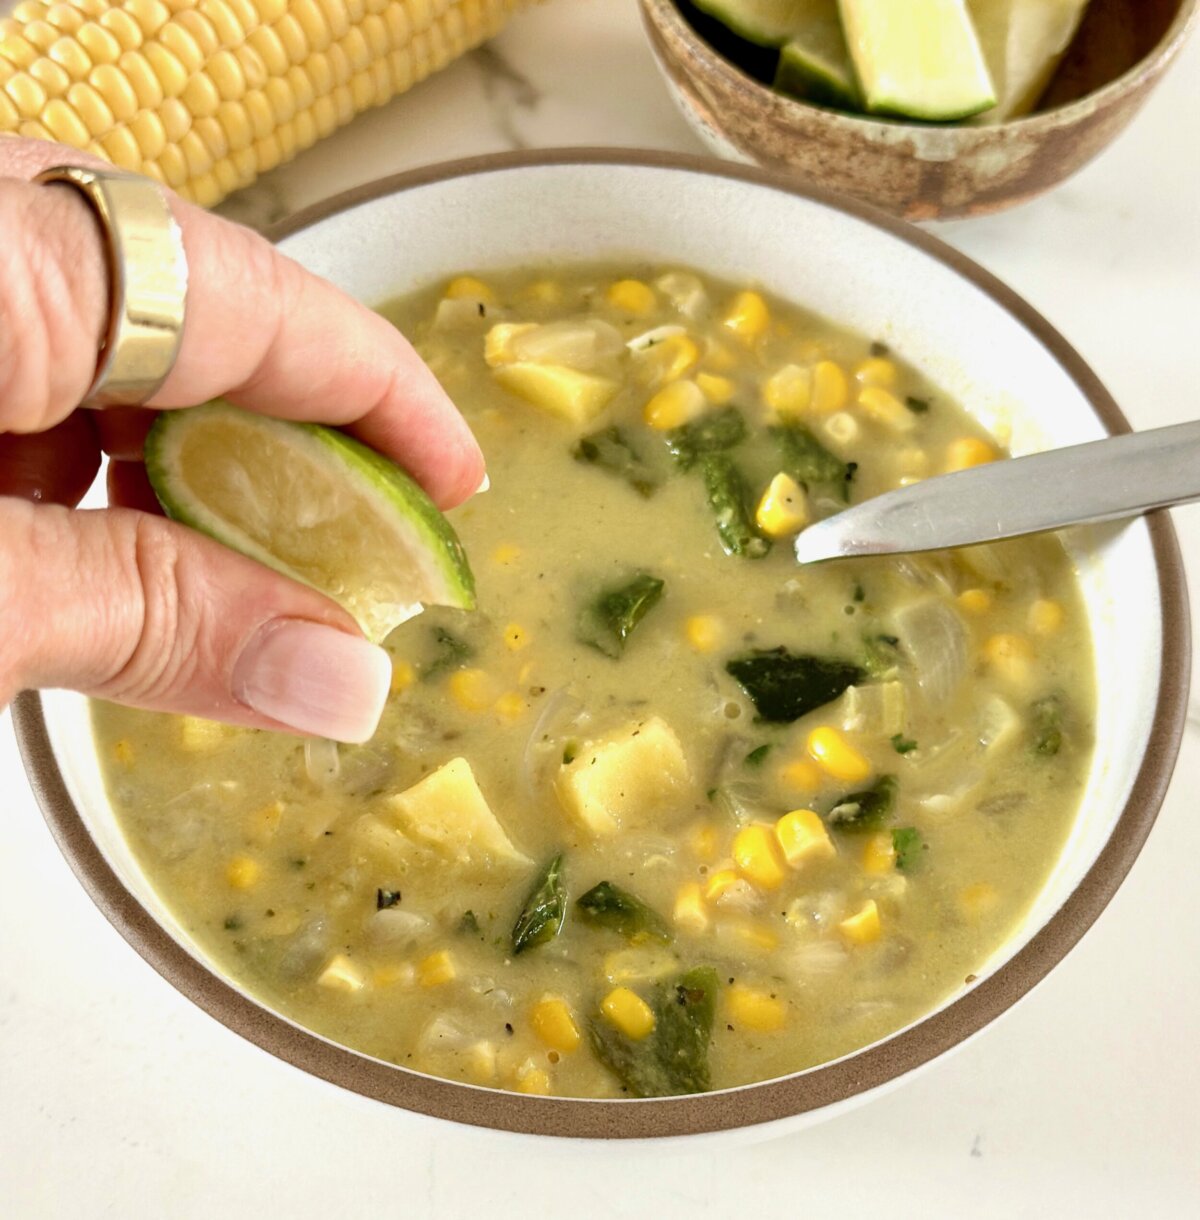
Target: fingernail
point(314, 679)
point(484, 484)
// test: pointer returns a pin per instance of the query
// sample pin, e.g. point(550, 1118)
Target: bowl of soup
point(670, 836)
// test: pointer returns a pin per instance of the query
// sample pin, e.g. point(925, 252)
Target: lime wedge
point(816, 65)
point(769, 23)
point(919, 59)
point(313, 504)
point(1022, 42)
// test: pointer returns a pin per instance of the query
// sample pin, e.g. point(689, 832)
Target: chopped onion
point(821, 955)
point(649, 338)
point(935, 639)
point(454, 314)
point(684, 291)
point(562, 713)
point(579, 343)
point(395, 925)
point(322, 764)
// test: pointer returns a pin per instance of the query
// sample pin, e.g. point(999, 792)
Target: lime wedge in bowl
point(311, 503)
point(919, 59)
point(769, 23)
point(815, 65)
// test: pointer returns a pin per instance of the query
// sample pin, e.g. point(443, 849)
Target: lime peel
point(313, 504)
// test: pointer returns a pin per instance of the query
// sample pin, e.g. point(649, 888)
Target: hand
point(122, 603)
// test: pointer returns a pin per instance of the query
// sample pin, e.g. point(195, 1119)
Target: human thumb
point(134, 608)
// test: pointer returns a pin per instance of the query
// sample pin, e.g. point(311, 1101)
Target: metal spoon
point(1100, 481)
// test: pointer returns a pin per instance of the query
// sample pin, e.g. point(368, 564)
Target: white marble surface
point(118, 1098)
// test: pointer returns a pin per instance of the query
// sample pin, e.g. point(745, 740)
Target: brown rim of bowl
point(748, 1105)
point(711, 60)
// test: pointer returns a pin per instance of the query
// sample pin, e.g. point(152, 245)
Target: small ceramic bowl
point(923, 171)
point(861, 269)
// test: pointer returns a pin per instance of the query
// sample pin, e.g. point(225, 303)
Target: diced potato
point(481, 1061)
point(783, 509)
point(629, 778)
point(562, 391)
point(341, 974)
point(198, 735)
point(640, 963)
point(447, 811)
point(498, 343)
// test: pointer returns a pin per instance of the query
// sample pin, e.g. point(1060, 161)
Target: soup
point(667, 813)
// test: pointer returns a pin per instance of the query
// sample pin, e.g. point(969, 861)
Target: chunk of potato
point(447, 811)
point(629, 778)
point(562, 391)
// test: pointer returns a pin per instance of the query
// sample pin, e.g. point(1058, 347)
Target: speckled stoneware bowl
point(920, 171)
point(861, 269)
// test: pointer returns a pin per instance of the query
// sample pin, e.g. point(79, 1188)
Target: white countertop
point(119, 1098)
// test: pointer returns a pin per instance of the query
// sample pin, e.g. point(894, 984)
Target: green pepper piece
point(545, 908)
point(609, 906)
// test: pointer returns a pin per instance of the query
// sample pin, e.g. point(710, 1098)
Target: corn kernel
point(875, 370)
point(471, 689)
point(628, 1012)
point(720, 883)
point(242, 872)
point(885, 408)
point(719, 358)
point(837, 757)
point(689, 912)
point(1010, 656)
point(669, 359)
point(863, 926)
point(631, 296)
point(783, 509)
point(704, 842)
point(802, 836)
point(756, 853)
point(544, 292)
point(801, 775)
point(535, 1081)
point(515, 637)
point(1045, 616)
point(510, 706)
point(788, 391)
point(394, 974)
point(498, 342)
point(830, 388)
point(975, 601)
point(123, 752)
point(879, 853)
point(968, 451)
point(754, 936)
point(437, 969)
point(403, 676)
point(468, 288)
point(717, 389)
point(747, 316)
point(977, 899)
point(506, 554)
point(554, 1025)
point(341, 974)
point(754, 1010)
point(704, 632)
point(675, 405)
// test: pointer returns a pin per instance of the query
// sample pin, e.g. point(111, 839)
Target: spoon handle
point(1121, 476)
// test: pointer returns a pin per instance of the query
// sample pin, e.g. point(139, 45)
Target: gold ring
point(148, 277)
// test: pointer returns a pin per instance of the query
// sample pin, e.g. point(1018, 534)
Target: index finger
point(272, 337)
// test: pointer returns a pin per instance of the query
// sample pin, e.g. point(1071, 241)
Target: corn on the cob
point(205, 95)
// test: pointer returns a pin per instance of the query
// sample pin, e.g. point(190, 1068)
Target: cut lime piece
point(816, 64)
point(1023, 41)
point(919, 59)
point(769, 23)
point(313, 504)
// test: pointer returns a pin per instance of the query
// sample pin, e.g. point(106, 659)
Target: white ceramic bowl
point(952, 320)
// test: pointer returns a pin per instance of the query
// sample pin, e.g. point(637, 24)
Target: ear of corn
point(205, 95)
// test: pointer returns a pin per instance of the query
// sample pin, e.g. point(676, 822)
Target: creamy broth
point(842, 871)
